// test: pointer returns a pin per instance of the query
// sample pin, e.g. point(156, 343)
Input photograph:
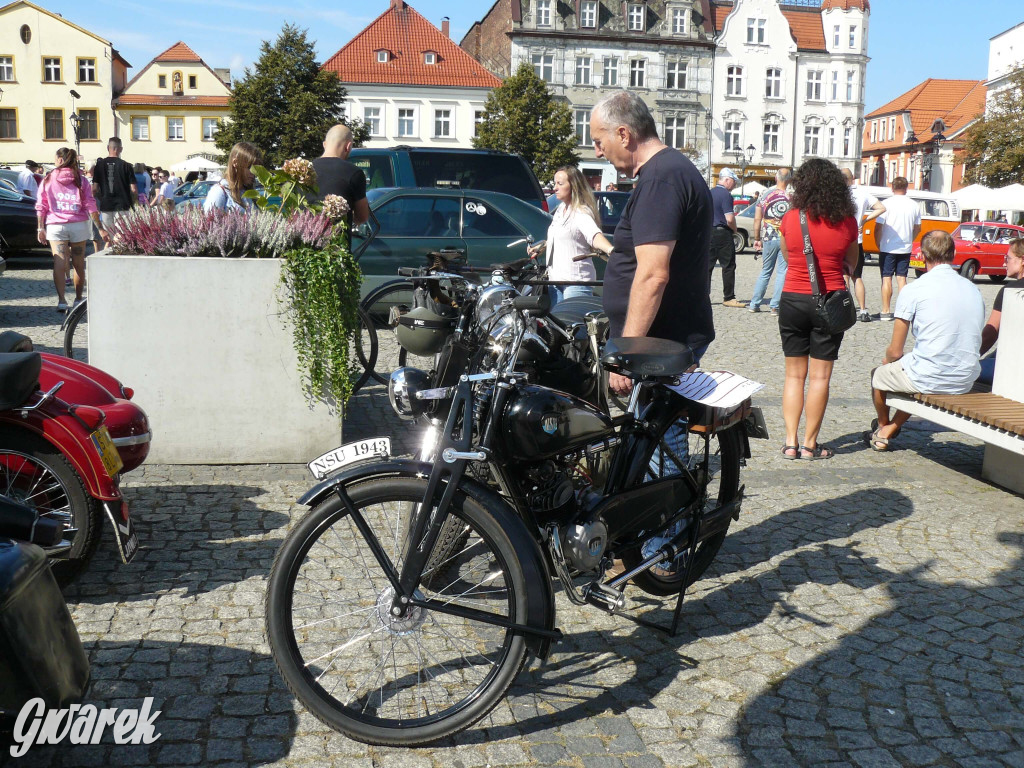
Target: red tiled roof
point(178, 52)
point(956, 102)
point(804, 23)
point(846, 5)
point(406, 35)
point(171, 101)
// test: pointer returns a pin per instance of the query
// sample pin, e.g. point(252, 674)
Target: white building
point(410, 83)
point(1005, 56)
point(789, 83)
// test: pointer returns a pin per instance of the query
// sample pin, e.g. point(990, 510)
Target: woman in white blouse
point(574, 231)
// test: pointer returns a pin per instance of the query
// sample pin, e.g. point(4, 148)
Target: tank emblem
point(549, 424)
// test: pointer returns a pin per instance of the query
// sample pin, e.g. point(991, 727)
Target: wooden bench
point(996, 417)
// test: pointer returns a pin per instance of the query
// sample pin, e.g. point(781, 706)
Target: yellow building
point(172, 109)
point(50, 69)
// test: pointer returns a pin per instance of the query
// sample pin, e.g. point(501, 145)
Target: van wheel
point(969, 269)
point(997, 278)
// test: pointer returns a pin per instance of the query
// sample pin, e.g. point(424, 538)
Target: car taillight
point(544, 206)
point(91, 418)
point(127, 392)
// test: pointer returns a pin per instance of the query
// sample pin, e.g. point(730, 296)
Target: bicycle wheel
point(364, 345)
point(723, 484)
point(376, 678)
point(76, 333)
point(383, 307)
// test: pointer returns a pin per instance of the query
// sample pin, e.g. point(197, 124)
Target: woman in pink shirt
point(63, 209)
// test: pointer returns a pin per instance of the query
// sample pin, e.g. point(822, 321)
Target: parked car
point(745, 234)
point(192, 193)
point(407, 224)
point(478, 169)
point(17, 221)
point(980, 249)
point(610, 206)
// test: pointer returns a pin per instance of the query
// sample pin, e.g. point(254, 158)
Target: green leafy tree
point(994, 145)
point(522, 116)
point(286, 104)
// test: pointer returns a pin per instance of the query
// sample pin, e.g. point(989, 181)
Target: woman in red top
point(819, 190)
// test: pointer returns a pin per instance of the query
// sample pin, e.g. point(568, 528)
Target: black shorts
point(894, 263)
point(858, 272)
point(798, 327)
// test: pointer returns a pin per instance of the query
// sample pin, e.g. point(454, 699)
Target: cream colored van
point(938, 211)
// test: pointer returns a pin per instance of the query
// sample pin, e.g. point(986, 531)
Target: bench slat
point(993, 410)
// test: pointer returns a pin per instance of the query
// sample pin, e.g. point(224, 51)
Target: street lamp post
point(76, 121)
point(745, 157)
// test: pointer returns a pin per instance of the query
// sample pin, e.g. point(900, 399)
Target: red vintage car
point(980, 249)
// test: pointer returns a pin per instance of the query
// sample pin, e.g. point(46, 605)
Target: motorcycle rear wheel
point(723, 485)
point(34, 473)
point(380, 679)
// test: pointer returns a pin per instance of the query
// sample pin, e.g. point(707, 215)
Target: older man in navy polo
point(723, 249)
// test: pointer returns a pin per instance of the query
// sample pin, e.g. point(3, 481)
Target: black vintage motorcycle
point(390, 644)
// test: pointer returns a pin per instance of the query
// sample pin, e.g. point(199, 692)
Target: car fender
point(540, 610)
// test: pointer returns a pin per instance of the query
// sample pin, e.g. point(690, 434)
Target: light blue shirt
point(946, 314)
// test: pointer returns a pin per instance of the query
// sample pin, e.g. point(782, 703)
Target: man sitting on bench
point(946, 314)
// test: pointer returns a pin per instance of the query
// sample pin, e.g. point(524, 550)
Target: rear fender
point(540, 610)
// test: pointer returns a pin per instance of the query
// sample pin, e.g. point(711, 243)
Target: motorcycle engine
point(584, 543)
point(551, 494)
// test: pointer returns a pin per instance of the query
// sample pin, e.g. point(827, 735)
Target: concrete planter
point(208, 350)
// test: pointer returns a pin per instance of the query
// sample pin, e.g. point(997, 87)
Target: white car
point(744, 234)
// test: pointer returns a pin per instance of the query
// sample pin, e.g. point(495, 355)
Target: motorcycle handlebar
point(591, 255)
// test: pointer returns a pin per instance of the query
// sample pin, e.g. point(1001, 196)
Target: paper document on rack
point(719, 389)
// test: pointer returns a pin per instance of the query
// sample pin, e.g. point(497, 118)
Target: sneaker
point(775, 311)
point(68, 281)
point(62, 306)
point(864, 317)
point(754, 308)
point(77, 302)
point(886, 317)
point(735, 303)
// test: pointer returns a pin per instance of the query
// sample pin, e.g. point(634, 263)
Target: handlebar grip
point(409, 271)
point(539, 305)
point(591, 255)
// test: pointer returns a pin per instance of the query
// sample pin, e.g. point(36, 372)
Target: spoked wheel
point(379, 678)
point(723, 482)
point(383, 307)
point(34, 473)
point(76, 333)
point(364, 345)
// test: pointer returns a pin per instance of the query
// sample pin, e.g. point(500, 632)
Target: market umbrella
point(977, 197)
point(196, 164)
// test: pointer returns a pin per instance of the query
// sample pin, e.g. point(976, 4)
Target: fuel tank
point(539, 423)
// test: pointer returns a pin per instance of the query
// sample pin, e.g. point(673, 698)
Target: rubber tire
point(289, 663)
point(378, 296)
point(918, 272)
point(997, 278)
point(739, 241)
point(365, 328)
point(655, 584)
point(969, 269)
point(86, 512)
point(73, 319)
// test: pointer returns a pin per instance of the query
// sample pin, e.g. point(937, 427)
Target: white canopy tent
point(1009, 198)
point(976, 197)
point(196, 164)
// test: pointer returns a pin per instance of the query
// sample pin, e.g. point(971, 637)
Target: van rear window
point(378, 170)
point(495, 173)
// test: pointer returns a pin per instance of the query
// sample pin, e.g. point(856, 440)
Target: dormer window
point(429, 57)
point(383, 57)
point(588, 14)
point(635, 18)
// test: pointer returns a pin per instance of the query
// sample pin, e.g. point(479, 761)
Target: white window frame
point(375, 123)
point(853, 36)
point(814, 84)
point(6, 69)
point(206, 122)
point(675, 131)
point(444, 119)
point(638, 73)
point(892, 129)
point(542, 61)
point(812, 141)
point(175, 122)
point(680, 21)
point(676, 74)
point(382, 57)
point(86, 65)
point(411, 118)
point(874, 126)
point(584, 70)
point(771, 138)
point(734, 81)
point(773, 83)
point(543, 13)
point(581, 121)
point(831, 141)
point(478, 120)
point(756, 31)
point(588, 14)
point(429, 57)
point(636, 17)
point(835, 85)
point(847, 141)
point(835, 36)
point(851, 76)
point(53, 72)
point(141, 123)
point(610, 71)
point(731, 135)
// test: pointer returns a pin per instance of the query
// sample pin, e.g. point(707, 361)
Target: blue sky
point(910, 40)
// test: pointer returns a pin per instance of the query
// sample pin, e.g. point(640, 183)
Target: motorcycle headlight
point(403, 387)
point(490, 301)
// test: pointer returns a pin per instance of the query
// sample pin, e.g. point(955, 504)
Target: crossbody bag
point(835, 310)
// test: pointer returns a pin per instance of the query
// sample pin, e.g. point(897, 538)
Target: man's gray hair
point(628, 109)
point(784, 176)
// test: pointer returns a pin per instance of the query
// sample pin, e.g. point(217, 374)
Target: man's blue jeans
point(770, 257)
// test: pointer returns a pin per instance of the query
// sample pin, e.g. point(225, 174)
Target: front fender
point(540, 610)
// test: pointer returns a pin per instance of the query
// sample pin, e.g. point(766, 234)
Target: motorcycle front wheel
point(723, 482)
point(34, 473)
point(377, 678)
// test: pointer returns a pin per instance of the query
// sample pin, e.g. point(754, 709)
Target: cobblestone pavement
point(864, 611)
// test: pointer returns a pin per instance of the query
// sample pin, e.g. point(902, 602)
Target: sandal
point(874, 428)
point(818, 452)
point(875, 441)
point(795, 455)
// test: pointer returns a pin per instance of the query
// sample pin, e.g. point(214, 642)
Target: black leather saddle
point(12, 341)
point(645, 356)
point(576, 309)
point(19, 377)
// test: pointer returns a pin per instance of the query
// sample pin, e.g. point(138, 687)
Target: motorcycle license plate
point(916, 264)
point(108, 452)
point(332, 461)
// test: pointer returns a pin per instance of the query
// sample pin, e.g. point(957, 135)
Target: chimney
point(444, 26)
point(398, 5)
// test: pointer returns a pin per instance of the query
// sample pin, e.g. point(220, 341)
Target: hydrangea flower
point(335, 207)
point(301, 170)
